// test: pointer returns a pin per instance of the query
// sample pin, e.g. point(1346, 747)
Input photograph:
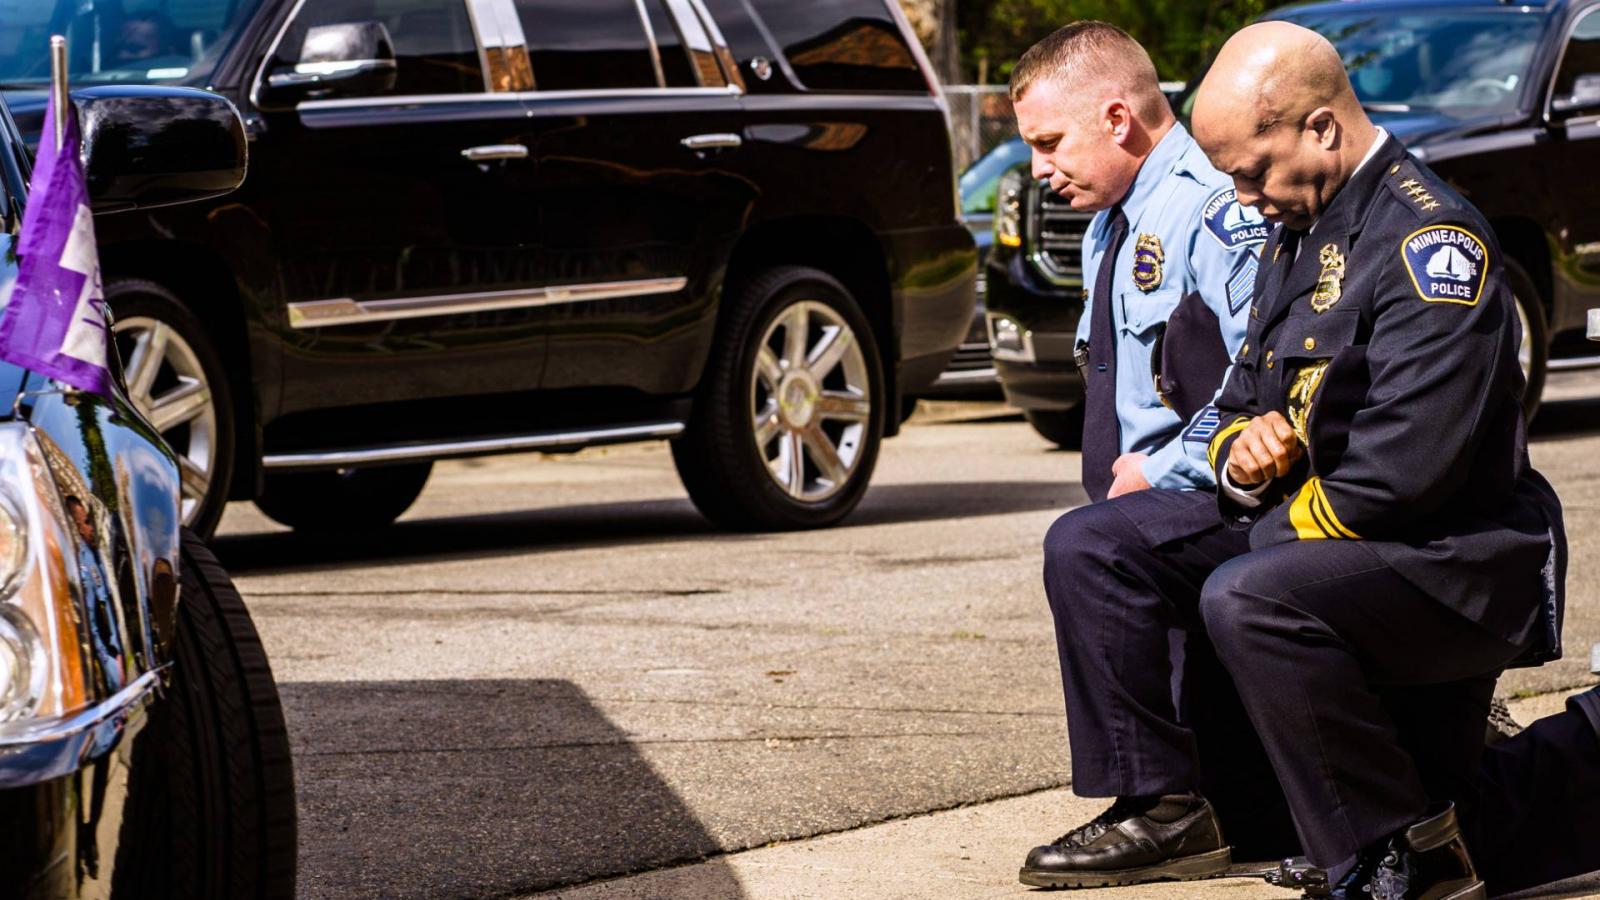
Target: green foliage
point(1180, 34)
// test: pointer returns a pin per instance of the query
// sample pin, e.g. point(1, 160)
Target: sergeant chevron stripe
point(1313, 518)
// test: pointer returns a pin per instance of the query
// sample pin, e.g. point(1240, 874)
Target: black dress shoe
point(1172, 838)
point(1427, 861)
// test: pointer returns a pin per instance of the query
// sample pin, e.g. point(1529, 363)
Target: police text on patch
point(1232, 223)
point(1447, 264)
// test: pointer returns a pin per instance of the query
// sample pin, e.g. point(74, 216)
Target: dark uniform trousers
point(1320, 640)
point(1365, 603)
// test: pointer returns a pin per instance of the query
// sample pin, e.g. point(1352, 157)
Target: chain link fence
point(980, 119)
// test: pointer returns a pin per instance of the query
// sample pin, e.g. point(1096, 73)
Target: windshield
point(1458, 64)
point(982, 179)
point(124, 41)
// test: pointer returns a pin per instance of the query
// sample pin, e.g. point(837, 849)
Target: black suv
point(482, 226)
point(1501, 100)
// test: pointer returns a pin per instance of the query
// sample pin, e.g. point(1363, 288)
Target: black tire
point(132, 298)
point(717, 457)
point(339, 500)
point(1531, 305)
point(1062, 427)
point(211, 803)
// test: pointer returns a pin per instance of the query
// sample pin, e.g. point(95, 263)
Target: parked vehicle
point(1500, 100)
point(971, 374)
point(483, 226)
point(142, 744)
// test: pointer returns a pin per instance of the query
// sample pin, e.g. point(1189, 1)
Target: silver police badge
point(1330, 284)
point(1147, 260)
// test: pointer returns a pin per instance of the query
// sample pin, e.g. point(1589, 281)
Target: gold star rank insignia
point(1330, 284)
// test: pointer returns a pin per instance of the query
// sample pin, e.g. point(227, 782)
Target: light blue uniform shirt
point(1183, 223)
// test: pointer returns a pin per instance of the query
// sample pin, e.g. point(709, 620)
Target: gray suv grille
point(1055, 237)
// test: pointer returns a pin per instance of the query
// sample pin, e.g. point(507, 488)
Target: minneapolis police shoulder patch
point(1232, 223)
point(1447, 264)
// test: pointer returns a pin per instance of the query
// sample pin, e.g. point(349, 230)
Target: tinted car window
point(1450, 62)
point(1582, 56)
point(843, 45)
point(588, 44)
point(433, 40)
point(135, 41)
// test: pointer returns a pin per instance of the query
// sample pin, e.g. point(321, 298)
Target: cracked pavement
point(553, 670)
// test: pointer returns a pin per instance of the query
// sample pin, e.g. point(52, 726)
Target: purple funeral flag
point(54, 322)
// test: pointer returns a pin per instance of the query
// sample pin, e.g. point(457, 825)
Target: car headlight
point(1008, 340)
point(43, 653)
point(1009, 199)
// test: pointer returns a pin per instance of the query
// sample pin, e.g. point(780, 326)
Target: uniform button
point(1394, 169)
point(1269, 359)
point(1311, 343)
point(1245, 350)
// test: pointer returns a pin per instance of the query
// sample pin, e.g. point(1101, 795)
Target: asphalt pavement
point(554, 672)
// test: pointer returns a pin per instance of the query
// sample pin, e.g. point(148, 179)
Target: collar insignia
point(1330, 284)
point(1147, 260)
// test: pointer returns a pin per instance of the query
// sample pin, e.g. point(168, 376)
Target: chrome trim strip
point(966, 377)
point(1548, 113)
point(1573, 363)
point(272, 51)
point(400, 453)
point(650, 35)
point(428, 99)
point(346, 311)
point(47, 749)
point(475, 19)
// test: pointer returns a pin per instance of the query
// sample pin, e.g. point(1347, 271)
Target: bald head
point(1277, 113)
point(1280, 72)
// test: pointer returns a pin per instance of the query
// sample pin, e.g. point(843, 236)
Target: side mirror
point(156, 146)
point(347, 59)
point(1585, 96)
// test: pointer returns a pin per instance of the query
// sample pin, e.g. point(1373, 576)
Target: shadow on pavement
point(476, 789)
point(616, 525)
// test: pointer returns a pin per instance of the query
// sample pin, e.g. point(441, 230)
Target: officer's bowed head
point(1277, 113)
point(1090, 105)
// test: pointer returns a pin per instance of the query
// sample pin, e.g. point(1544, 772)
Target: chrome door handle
point(490, 152)
point(701, 142)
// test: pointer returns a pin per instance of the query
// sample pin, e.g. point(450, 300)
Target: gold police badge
point(1330, 284)
point(1147, 260)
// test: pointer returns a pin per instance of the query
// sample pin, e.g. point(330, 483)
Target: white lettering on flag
point(86, 337)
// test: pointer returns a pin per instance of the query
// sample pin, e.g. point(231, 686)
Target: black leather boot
point(1427, 861)
point(1171, 838)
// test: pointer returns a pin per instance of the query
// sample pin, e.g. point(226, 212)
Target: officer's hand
point(1266, 449)
point(1127, 475)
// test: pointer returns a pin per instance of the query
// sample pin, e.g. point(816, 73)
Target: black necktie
point(1102, 432)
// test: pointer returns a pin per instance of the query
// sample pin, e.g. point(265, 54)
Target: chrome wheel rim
point(1525, 347)
point(810, 401)
point(169, 388)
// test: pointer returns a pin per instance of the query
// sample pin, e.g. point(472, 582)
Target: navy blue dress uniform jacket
point(1388, 337)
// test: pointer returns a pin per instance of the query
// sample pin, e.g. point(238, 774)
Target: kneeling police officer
point(1170, 244)
point(1385, 529)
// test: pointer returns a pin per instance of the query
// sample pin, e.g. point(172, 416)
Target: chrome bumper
point(46, 749)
